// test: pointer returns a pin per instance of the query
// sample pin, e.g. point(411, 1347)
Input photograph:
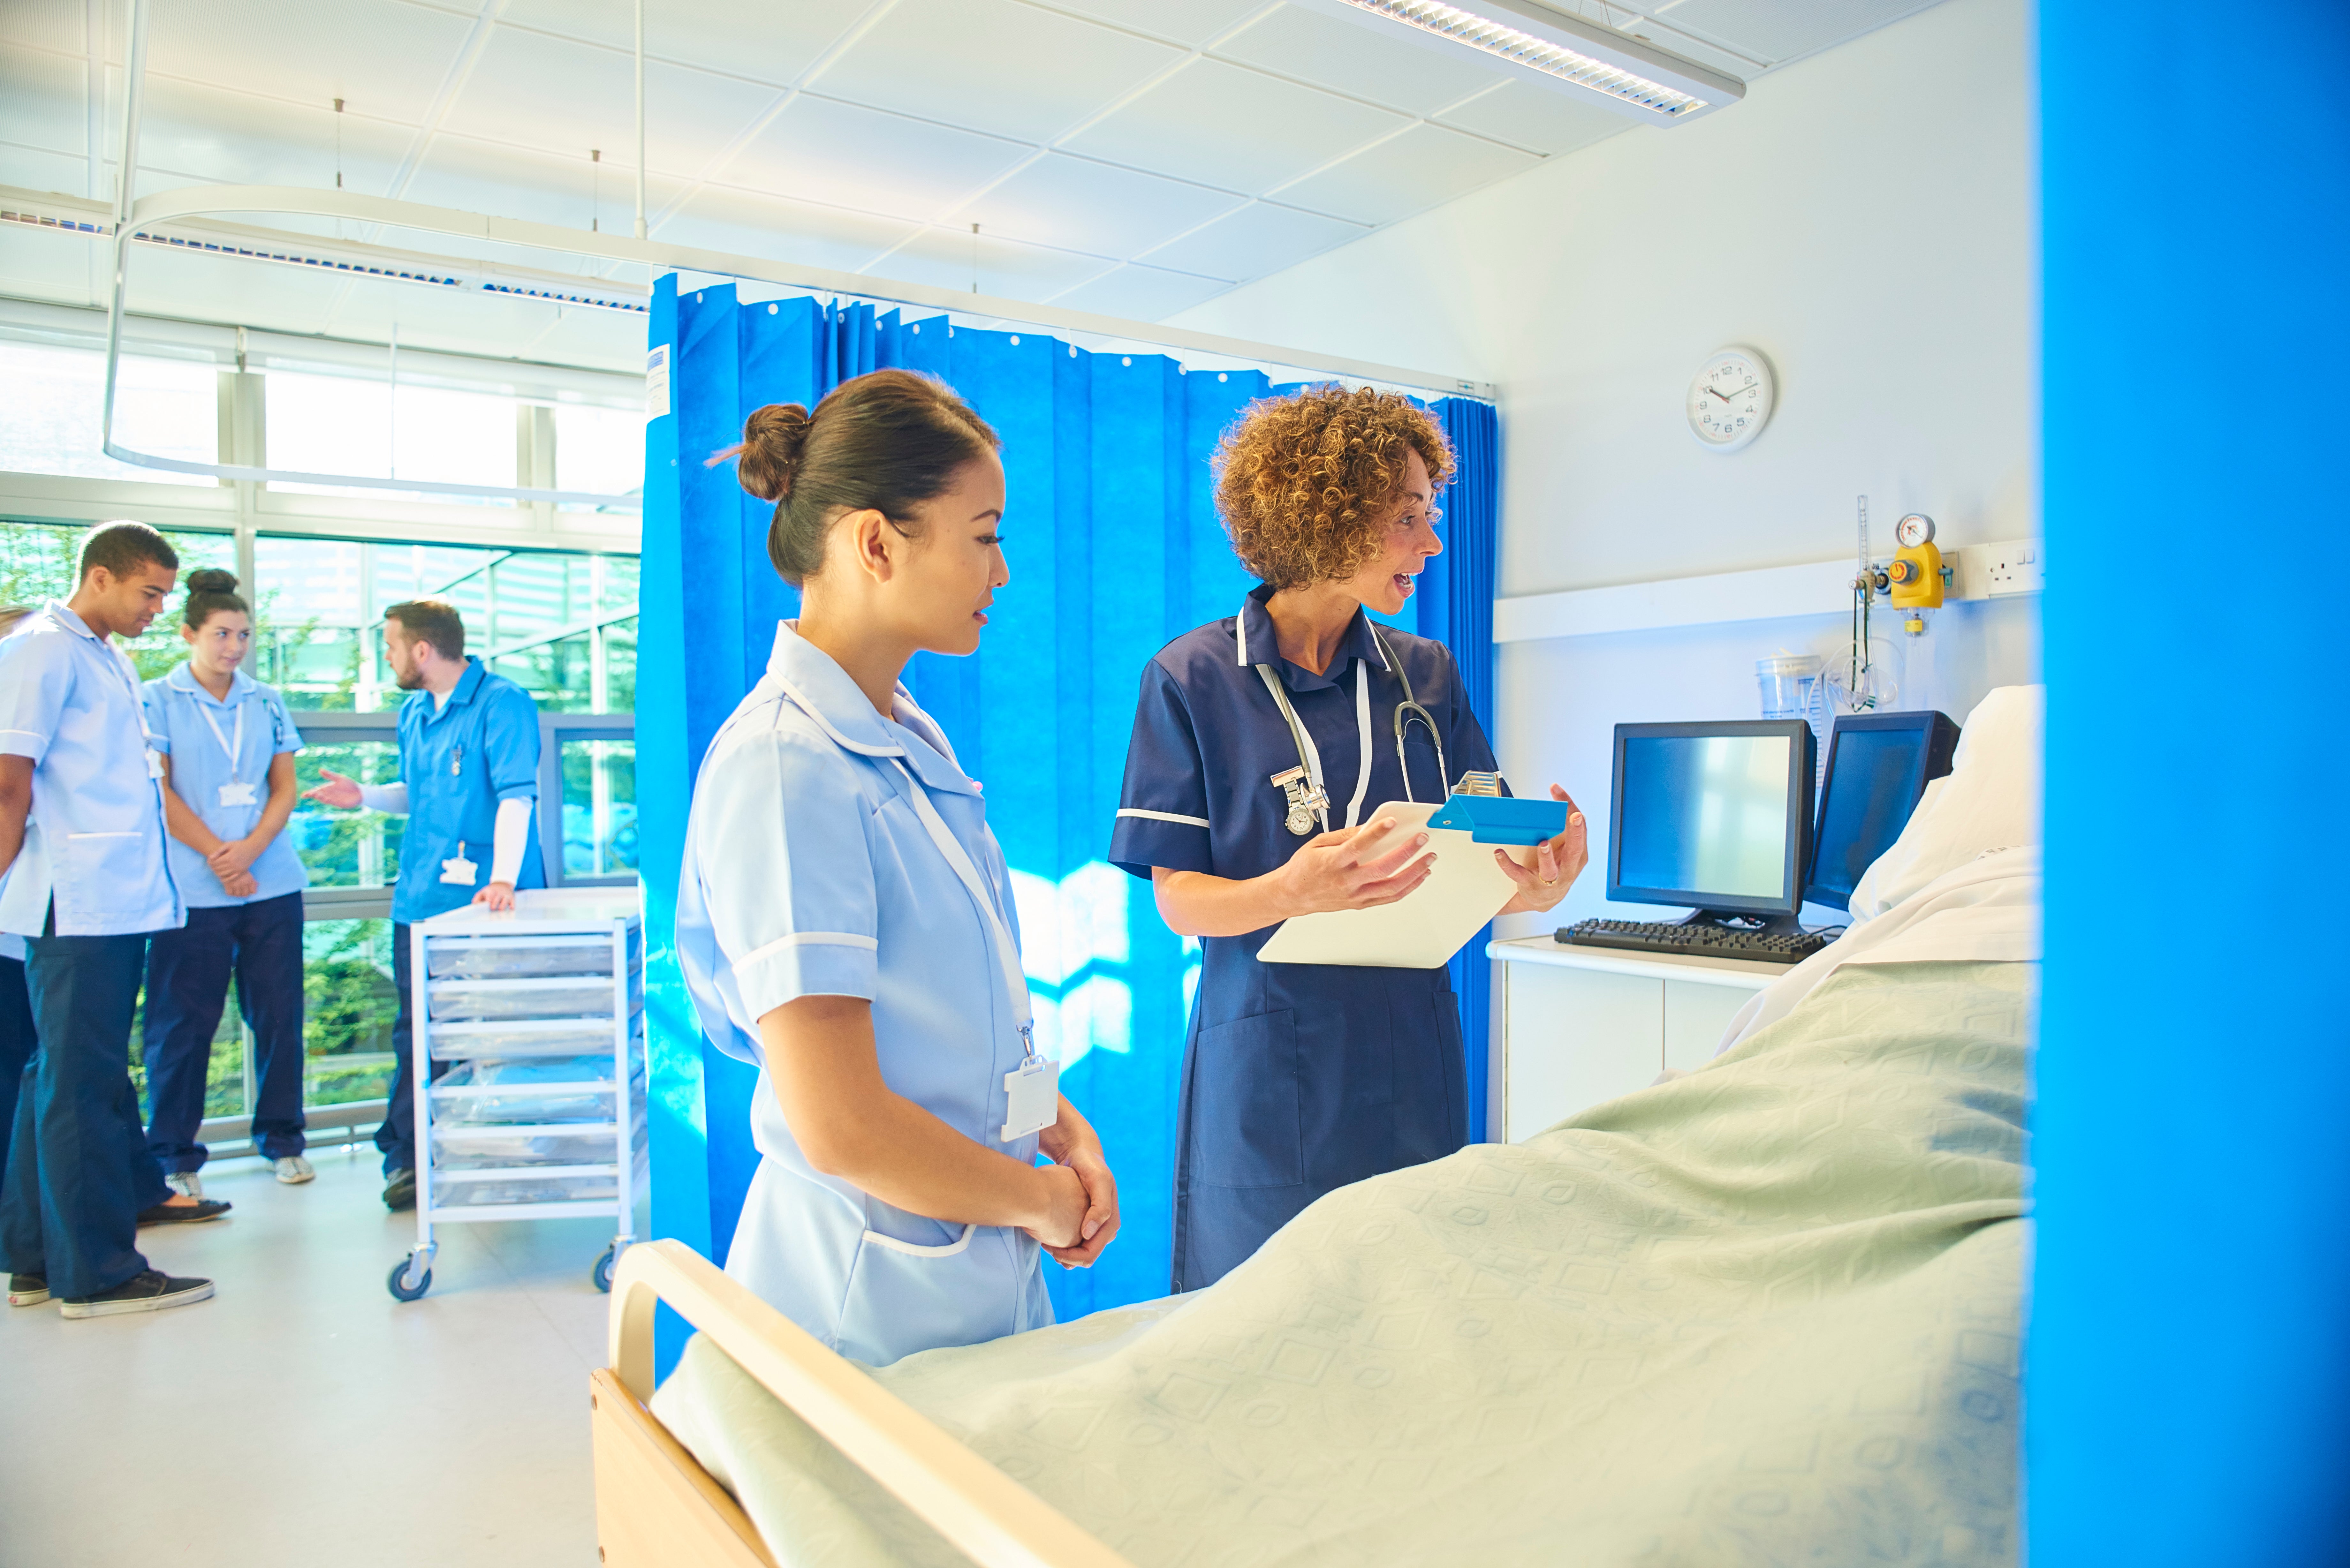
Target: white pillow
point(1989, 800)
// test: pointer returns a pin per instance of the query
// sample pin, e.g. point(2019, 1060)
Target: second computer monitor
point(1878, 764)
point(1714, 815)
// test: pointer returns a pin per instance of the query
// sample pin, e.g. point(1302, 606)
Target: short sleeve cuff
point(519, 791)
point(24, 743)
point(1143, 839)
point(807, 963)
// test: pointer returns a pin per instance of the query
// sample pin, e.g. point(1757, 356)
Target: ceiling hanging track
point(641, 119)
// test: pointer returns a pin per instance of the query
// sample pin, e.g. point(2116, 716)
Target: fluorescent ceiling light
point(1563, 52)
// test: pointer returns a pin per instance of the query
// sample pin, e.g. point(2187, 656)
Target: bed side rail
point(985, 1512)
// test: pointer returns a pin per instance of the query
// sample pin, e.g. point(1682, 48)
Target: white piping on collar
point(844, 742)
point(1240, 633)
point(1239, 638)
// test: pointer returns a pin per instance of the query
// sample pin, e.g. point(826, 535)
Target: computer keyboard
point(1696, 941)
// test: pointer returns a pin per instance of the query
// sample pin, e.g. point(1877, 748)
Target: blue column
point(2189, 1359)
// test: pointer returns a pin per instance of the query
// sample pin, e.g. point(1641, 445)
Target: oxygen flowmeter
point(1917, 572)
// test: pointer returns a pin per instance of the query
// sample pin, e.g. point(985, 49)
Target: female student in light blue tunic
point(228, 745)
point(844, 919)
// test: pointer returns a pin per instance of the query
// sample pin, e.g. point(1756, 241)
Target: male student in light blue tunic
point(469, 786)
point(83, 877)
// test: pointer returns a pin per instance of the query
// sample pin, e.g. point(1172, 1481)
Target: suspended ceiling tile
point(38, 169)
point(477, 176)
point(756, 38)
point(1260, 238)
point(1536, 119)
point(822, 150)
point(383, 58)
point(1777, 30)
point(1333, 53)
point(1142, 293)
point(1710, 55)
point(1426, 165)
point(191, 132)
point(1190, 23)
point(559, 96)
point(770, 227)
point(992, 66)
point(41, 101)
point(45, 25)
point(949, 259)
point(1080, 205)
point(1224, 125)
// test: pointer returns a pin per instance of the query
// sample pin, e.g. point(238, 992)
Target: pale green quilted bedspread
point(1764, 1313)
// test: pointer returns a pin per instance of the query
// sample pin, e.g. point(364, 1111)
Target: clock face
point(1730, 398)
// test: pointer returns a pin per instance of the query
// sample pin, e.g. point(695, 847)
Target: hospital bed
point(1767, 1311)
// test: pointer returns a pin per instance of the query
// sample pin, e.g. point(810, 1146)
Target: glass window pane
point(345, 848)
point(349, 1005)
point(42, 561)
point(600, 807)
point(619, 668)
point(51, 403)
point(372, 430)
point(557, 675)
point(599, 449)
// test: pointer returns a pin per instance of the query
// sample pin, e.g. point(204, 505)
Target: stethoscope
point(1309, 802)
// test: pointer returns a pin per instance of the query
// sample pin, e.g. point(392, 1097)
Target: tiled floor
point(302, 1416)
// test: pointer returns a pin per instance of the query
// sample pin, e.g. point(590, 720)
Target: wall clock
point(1730, 398)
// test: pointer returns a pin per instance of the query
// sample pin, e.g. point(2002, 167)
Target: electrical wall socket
point(1998, 570)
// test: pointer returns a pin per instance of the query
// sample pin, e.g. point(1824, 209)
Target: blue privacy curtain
point(1115, 550)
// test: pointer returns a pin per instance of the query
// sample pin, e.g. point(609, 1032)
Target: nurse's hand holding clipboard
point(1546, 874)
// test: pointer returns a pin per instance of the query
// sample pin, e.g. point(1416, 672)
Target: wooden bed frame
point(656, 1508)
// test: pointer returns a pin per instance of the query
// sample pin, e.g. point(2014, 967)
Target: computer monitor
point(1879, 765)
point(1715, 815)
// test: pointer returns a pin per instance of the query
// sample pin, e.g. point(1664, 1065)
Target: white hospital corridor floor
point(302, 1416)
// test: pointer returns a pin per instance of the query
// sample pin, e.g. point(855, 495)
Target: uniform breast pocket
point(1245, 1128)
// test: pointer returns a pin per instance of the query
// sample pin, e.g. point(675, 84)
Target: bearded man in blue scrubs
point(469, 788)
point(84, 880)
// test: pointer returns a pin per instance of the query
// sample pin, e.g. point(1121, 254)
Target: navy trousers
point(78, 1169)
point(17, 1041)
point(187, 985)
point(396, 1138)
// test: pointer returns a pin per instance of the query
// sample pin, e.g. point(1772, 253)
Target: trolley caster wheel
point(396, 1283)
point(601, 1274)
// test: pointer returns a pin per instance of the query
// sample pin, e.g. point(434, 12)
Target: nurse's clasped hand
point(850, 1125)
point(1333, 871)
point(1544, 876)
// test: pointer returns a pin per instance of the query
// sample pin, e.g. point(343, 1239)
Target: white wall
point(1865, 219)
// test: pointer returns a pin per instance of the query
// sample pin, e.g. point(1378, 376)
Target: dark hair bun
point(212, 580)
point(773, 439)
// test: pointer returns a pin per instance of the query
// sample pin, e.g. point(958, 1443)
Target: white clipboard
point(1421, 930)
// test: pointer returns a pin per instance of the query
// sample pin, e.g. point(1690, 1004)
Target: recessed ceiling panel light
point(1563, 52)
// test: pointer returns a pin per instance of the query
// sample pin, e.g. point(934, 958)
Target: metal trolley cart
point(537, 1020)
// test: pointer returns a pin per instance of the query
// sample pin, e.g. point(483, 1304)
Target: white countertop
point(1744, 973)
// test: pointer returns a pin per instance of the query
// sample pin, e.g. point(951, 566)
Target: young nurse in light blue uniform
point(844, 919)
point(228, 744)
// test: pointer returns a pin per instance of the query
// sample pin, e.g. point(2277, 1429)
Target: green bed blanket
point(1764, 1313)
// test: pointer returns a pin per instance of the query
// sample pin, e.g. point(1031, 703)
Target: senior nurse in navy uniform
point(1262, 744)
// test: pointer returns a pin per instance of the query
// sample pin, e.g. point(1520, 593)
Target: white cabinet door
point(1573, 1038)
point(1695, 1017)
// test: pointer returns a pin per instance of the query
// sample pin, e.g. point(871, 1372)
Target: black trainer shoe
point(169, 1213)
point(400, 1191)
point(152, 1291)
point(27, 1289)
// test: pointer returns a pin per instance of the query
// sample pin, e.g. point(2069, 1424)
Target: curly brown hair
point(1304, 483)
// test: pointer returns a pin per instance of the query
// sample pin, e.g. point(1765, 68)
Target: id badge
point(234, 793)
point(1033, 1091)
point(458, 872)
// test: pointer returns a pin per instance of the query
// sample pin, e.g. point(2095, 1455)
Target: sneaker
point(169, 1213)
point(152, 1291)
point(186, 1183)
point(399, 1190)
point(27, 1289)
point(292, 1169)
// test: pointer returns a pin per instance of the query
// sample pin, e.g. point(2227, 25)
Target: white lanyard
point(1309, 755)
point(236, 749)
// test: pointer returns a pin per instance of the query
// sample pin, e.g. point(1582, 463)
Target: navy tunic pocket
point(1245, 1130)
